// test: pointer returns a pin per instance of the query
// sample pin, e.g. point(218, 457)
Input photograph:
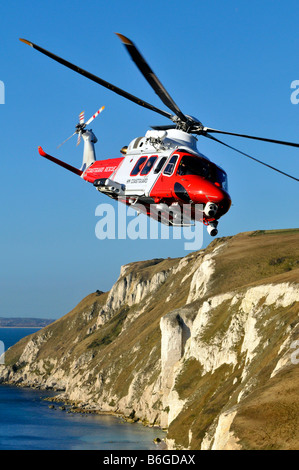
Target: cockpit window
point(148, 166)
point(190, 165)
point(198, 166)
point(221, 178)
point(169, 169)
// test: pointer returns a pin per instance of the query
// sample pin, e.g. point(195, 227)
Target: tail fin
point(89, 154)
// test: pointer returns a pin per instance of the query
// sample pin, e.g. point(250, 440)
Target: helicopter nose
point(213, 194)
point(222, 199)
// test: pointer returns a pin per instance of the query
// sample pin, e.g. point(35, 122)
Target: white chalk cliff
point(203, 346)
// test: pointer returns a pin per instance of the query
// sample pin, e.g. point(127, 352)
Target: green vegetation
point(111, 331)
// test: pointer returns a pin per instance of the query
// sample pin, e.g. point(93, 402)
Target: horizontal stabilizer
point(59, 162)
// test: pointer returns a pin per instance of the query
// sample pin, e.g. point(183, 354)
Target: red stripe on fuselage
point(102, 169)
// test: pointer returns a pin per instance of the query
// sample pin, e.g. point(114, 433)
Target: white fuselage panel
point(151, 145)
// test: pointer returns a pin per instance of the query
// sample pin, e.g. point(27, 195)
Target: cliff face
point(206, 346)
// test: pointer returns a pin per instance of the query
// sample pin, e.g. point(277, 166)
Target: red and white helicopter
point(163, 170)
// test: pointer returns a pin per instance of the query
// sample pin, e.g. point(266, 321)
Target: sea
point(28, 422)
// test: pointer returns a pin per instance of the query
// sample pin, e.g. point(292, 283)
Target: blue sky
point(230, 64)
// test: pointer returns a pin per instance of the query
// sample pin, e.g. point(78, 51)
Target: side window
point(138, 166)
point(160, 165)
point(148, 166)
point(170, 165)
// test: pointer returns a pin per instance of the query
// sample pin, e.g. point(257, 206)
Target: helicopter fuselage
point(164, 171)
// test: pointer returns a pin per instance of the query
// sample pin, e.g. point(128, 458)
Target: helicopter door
point(142, 175)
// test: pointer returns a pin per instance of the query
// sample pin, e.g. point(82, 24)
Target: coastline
point(68, 406)
point(76, 408)
point(73, 407)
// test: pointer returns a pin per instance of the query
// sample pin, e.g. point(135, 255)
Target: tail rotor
point(81, 118)
point(80, 127)
point(66, 140)
point(81, 123)
point(94, 116)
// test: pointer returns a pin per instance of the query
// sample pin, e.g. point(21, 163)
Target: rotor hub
point(80, 127)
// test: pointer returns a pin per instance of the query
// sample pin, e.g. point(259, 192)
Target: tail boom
point(102, 169)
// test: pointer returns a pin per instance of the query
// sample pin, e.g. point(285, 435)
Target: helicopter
point(162, 170)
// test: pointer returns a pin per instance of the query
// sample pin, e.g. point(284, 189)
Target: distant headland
point(6, 322)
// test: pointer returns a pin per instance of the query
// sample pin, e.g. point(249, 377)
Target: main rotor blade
point(95, 115)
point(252, 158)
point(99, 80)
point(150, 76)
point(274, 141)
